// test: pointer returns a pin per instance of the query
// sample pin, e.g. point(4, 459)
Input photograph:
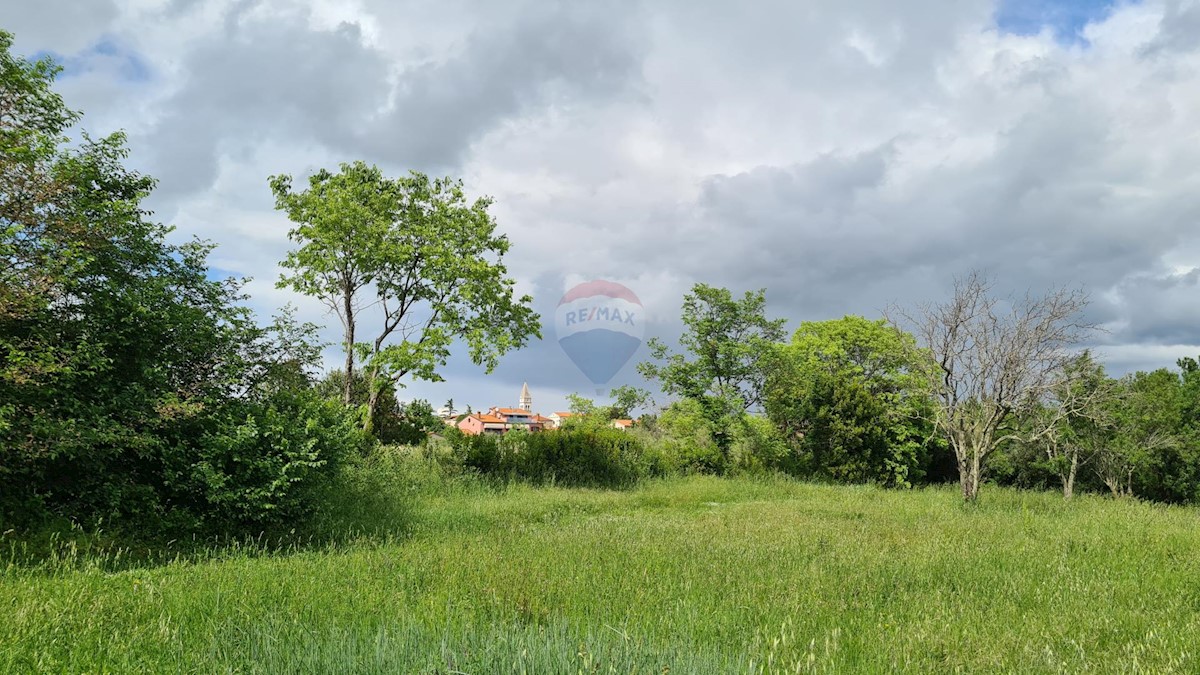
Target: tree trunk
point(1069, 478)
point(372, 405)
point(968, 478)
point(348, 308)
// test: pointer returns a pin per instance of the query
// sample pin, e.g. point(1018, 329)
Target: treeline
point(138, 392)
point(984, 388)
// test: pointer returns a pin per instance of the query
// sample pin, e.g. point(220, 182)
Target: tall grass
point(687, 575)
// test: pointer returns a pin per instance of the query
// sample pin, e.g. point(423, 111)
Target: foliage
point(394, 422)
point(1075, 425)
point(759, 447)
point(265, 462)
point(582, 456)
point(134, 389)
point(431, 260)
point(723, 366)
point(626, 400)
point(1156, 445)
point(847, 394)
point(682, 440)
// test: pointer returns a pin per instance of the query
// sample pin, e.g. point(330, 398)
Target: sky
point(845, 155)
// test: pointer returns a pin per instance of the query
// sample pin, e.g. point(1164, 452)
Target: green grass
point(698, 575)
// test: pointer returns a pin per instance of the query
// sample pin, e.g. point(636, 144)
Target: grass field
point(689, 576)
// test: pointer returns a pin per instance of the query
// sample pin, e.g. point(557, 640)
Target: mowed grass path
point(699, 575)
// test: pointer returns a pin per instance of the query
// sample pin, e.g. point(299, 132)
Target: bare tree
point(990, 360)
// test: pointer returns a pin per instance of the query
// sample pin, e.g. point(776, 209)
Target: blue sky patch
point(130, 66)
point(1065, 17)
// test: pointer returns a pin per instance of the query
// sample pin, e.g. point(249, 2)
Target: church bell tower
point(526, 402)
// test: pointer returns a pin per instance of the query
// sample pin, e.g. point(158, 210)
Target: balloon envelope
point(599, 325)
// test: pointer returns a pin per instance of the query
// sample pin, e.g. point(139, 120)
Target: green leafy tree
point(585, 414)
point(627, 399)
point(112, 341)
point(417, 420)
point(723, 366)
point(287, 355)
point(132, 386)
point(342, 223)
point(1075, 425)
point(848, 395)
point(1166, 426)
point(687, 439)
point(416, 253)
point(395, 422)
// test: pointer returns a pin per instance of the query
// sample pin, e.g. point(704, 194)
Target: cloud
point(844, 155)
point(58, 26)
point(263, 78)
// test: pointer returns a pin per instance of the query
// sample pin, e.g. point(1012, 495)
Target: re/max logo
point(599, 314)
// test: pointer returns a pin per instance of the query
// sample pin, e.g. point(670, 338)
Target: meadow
point(688, 575)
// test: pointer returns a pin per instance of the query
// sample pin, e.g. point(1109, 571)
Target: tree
point(1075, 425)
point(724, 365)
point(429, 261)
point(416, 421)
point(990, 362)
point(1146, 419)
point(132, 385)
point(287, 355)
point(580, 406)
point(342, 222)
point(626, 399)
point(847, 392)
point(1164, 417)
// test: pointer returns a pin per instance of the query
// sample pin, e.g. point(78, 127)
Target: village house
point(482, 423)
point(517, 418)
point(499, 420)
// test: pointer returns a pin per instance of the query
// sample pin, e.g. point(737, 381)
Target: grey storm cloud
point(59, 26)
point(260, 77)
point(1179, 30)
point(541, 58)
point(1159, 309)
point(278, 76)
point(843, 155)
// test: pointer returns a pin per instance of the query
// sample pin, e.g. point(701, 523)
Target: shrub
point(266, 461)
point(758, 446)
point(576, 457)
point(682, 440)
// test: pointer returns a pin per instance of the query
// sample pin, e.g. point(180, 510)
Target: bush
point(266, 461)
point(682, 440)
point(574, 457)
point(758, 446)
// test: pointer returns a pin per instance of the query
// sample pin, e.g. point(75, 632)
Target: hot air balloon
point(599, 325)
